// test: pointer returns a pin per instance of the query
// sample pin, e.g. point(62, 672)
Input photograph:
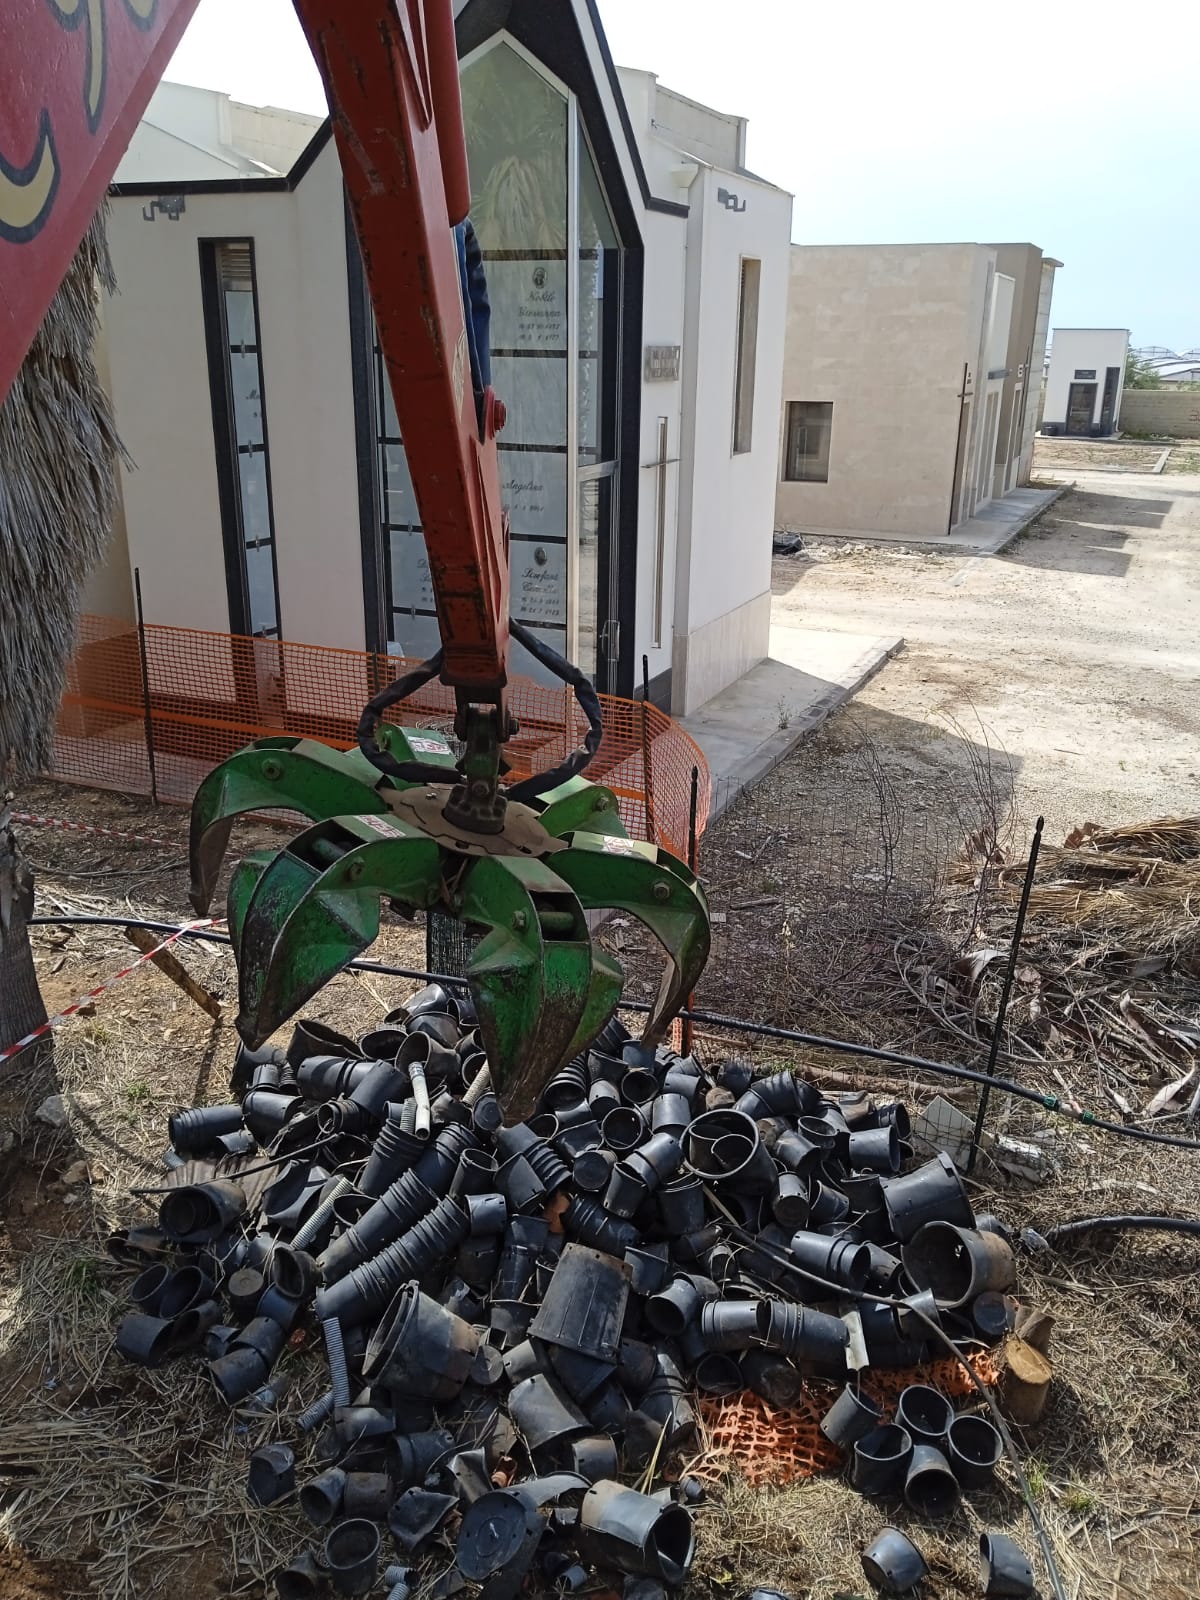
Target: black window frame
point(225, 440)
point(791, 407)
point(746, 354)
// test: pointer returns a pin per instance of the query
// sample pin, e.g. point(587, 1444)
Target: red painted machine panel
point(75, 77)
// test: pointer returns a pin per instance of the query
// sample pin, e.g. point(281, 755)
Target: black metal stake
point(647, 777)
point(147, 717)
point(693, 817)
point(1010, 972)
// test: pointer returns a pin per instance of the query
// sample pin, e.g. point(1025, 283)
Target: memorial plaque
point(539, 582)
point(661, 363)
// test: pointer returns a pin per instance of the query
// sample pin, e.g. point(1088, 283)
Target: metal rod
point(647, 775)
point(955, 486)
point(693, 818)
point(693, 857)
point(709, 1019)
point(660, 530)
point(1014, 951)
point(147, 717)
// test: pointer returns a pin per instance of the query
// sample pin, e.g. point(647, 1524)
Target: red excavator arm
point(523, 867)
point(75, 77)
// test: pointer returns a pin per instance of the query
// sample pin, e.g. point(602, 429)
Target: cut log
point(1024, 1385)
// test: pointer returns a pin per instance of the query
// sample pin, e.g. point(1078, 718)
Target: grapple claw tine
point(657, 889)
point(537, 984)
point(280, 774)
point(579, 804)
point(315, 906)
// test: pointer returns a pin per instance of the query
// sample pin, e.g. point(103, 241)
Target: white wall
point(157, 155)
point(1000, 318)
point(271, 135)
point(164, 411)
point(669, 127)
point(184, 134)
point(665, 240)
point(975, 476)
point(190, 133)
point(1073, 348)
point(1033, 377)
point(1000, 311)
point(723, 576)
point(717, 137)
point(719, 593)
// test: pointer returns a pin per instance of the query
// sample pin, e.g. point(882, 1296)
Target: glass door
point(1081, 407)
point(553, 262)
point(594, 592)
point(596, 637)
point(519, 143)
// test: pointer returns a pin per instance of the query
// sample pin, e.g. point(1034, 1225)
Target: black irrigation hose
point(711, 1019)
point(841, 1291)
point(1048, 1102)
point(1134, 1220)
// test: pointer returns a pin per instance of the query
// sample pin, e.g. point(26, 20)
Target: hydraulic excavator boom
point(402, 818)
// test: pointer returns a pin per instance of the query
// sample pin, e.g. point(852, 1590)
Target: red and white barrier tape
point(93, 994)
point(88, 827)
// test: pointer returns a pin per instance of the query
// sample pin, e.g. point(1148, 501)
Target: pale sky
point(1075, 124)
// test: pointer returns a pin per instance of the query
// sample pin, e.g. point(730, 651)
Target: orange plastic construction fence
point(152, 711)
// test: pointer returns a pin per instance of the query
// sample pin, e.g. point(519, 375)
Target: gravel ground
point(1076, 648)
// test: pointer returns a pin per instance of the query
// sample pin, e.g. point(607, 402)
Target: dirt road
point(1078, 648)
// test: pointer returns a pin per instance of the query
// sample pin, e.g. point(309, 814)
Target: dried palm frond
point(1172, 838)
point(1093, 867)
point(1162, 914)
point(58, 451)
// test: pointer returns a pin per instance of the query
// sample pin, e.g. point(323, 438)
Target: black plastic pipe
point(1135, 1220)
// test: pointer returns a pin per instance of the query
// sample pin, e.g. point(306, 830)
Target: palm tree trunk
point(21, 1006)
point(58, 453)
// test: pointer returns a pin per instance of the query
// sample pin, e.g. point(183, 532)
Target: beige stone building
point(907, 397)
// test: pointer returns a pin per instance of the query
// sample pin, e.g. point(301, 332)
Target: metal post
point(147, 717)
point(955, 494)
point(693, 815)
point(647, 775)
point(1010, 972)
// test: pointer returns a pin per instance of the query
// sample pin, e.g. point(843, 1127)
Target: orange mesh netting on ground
point(769, 1445)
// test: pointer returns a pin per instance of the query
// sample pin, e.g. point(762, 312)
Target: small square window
point(806, 451)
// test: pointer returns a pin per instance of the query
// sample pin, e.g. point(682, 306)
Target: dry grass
point(1139, 884)
point(140, 1475)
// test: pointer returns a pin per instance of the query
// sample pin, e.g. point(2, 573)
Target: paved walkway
point(749, 727)
point(995, 526)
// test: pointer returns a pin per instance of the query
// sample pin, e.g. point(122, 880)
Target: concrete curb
point(1025, 522)
point(946, 544)
point(767, 756)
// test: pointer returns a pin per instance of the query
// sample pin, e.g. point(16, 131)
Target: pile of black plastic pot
point(536, 1305)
